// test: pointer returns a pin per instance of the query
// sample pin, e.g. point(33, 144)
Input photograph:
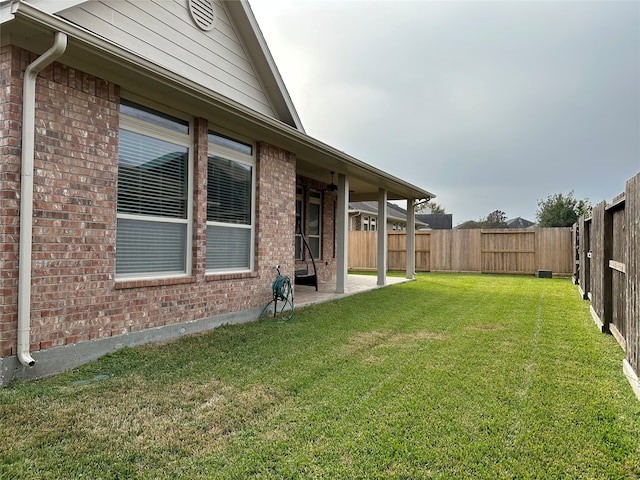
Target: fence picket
point(608, 246)
point(477, 250)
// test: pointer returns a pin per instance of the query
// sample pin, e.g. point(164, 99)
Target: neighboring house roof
point(394, 212)
point(519, 222)
point(436, 221)
point(264, 112)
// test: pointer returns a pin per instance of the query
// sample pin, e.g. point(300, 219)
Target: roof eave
point(105, 55)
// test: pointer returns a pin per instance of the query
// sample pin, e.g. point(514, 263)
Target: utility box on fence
point(545, 274)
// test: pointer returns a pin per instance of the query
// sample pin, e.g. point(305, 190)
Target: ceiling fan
point(332, 187)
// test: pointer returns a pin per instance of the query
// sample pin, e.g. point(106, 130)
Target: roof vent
point(203, 13)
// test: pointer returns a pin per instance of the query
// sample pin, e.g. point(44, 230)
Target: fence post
point(601, 279)
point(584, 272)
point(575, 252)
point(632, 262)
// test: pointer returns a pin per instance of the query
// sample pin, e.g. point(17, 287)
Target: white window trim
point(235, 156)
point(185, 140)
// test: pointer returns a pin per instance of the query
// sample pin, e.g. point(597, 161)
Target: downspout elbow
point(26, 193)
point(25, 358)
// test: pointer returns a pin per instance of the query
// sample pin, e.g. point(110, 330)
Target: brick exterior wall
point(75, 296)
point(356, 222)
point(10, 121)
point(276, 216)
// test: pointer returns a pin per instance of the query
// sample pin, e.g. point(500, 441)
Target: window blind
point(299, 222)
point(229, 214)
point(314, 224)
point(228, 248)
point(229, 186)
point(144, 247)
point(152, 176)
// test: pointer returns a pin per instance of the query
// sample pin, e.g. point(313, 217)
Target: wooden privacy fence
point(607, 270)
point(516, 251)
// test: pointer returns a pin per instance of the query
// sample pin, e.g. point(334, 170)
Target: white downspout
point(26, 193)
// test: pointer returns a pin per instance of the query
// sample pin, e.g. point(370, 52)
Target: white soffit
point(55, 6)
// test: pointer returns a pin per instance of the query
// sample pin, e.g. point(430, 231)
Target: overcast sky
point(490, 105)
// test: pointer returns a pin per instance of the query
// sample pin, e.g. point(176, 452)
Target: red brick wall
point(327, 269)
point(10, 120)
point(276, 216)
point(75, 296)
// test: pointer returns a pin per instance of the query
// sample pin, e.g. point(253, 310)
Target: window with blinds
point(299, 221)
point(315, 222)
point(153, 232)
point(230, 200)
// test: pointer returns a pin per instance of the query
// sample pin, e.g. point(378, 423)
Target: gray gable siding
point(163, 31)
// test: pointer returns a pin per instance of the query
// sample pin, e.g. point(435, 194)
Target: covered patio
point(306, 295)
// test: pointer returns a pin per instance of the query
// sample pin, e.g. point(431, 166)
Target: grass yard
point(450, 376)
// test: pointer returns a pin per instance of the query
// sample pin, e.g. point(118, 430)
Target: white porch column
point(342, 234)
point(382, 236)
point(411, 240)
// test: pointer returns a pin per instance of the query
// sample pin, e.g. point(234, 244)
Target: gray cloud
point(490, 105)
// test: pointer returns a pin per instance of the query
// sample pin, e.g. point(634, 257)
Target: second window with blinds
point(315, 222)
point(230, 205)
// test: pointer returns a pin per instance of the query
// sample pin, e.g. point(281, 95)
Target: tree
point(560, 210)
point(430, 207)
point(469, 224)
point(496, 219)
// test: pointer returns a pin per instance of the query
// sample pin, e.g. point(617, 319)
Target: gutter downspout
point(26, 193)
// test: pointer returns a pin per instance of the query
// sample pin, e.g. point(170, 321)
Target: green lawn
point(450, 376)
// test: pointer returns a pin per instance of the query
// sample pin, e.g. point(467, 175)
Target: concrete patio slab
point(305, 295)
